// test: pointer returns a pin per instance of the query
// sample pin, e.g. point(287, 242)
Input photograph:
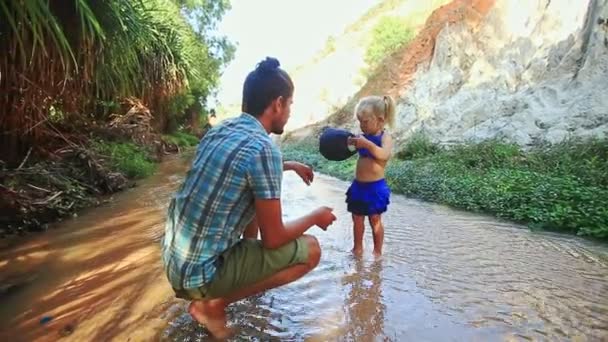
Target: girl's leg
point(378, 233)
point(358, 229)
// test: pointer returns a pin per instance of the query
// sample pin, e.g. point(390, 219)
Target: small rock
point(68, 329)
point(45, 319)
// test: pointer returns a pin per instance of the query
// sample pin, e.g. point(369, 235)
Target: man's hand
point(304, 171)
point(275, 233)
point(324, 217)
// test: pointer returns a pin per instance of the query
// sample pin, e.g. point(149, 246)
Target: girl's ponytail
point(389, 110)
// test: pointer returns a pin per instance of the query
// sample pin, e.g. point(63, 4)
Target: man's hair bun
point(269, 64)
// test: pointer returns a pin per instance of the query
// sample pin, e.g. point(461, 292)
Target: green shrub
point(389, 34)
point(486, 154)
point(181, 139)
point(584, 159)
point(417, 146)
point(126, 158)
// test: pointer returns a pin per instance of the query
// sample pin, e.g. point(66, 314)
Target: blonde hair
point(382, 107)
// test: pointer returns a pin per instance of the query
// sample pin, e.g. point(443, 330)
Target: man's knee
point(314, 251)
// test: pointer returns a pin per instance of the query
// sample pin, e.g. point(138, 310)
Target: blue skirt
point(368, 198)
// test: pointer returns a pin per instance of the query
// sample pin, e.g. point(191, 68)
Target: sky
point(289, 30)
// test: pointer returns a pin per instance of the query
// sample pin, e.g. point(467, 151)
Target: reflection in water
point(364, 304)
point(96, 277)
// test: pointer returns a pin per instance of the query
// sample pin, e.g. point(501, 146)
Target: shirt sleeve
point(265, 173)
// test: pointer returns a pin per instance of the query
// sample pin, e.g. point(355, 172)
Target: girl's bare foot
point(377, 254)
point(211, 314)
point(357, 251)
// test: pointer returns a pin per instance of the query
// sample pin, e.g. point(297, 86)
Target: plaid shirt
point(235, 162)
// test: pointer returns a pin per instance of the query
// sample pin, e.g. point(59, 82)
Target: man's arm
point(264, 177)
point(307, 175)
point(304, 171)
point(275, 233)
point(288, 165)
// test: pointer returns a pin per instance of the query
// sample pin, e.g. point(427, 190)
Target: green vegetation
point(91, 88)
point(329, 47)
point(561, 187)
point(81, 58)
point(384, 6)
point(182, 139)
point(127, 158)
point(389, 34)
point(418, 145)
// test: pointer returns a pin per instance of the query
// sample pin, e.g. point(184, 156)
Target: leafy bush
point(181, 139)
point(419, 145)
point(584, 159)
point(126, 158)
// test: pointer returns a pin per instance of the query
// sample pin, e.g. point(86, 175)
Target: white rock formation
point(533, 70)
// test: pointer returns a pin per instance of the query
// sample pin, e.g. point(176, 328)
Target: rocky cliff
point(523, 70)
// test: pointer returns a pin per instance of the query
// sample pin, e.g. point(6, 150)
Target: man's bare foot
point(211, 314)
point(357, 251)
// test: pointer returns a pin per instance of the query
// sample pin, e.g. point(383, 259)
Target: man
point(233, 189)
point(212, 118)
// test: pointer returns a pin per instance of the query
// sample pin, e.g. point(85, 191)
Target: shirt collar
point(251, 118)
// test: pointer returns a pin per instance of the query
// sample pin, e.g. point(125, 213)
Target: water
point(446, 275)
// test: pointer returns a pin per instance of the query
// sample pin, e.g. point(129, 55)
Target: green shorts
point(247, 263)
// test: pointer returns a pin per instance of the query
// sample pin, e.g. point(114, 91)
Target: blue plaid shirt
point(235, 162)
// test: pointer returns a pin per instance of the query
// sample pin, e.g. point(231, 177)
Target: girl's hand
point(359, 141)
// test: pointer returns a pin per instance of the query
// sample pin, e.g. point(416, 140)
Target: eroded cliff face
point(532, 70)
point(327, 82)
point(524, 70)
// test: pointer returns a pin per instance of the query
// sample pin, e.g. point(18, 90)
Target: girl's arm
point(381, 153)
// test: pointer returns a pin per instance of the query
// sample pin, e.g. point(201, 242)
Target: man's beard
point(278, 130)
